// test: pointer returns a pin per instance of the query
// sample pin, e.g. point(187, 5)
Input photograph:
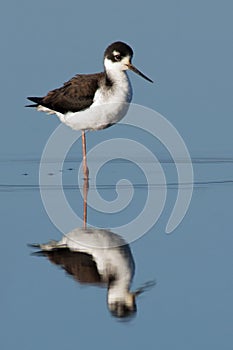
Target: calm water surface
point(189, 307)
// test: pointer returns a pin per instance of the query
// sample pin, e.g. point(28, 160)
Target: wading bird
point(94, 101)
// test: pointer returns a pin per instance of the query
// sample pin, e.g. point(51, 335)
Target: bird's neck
point(119, 288)
point(118, 83)
point(120, 284)
point(116, 77)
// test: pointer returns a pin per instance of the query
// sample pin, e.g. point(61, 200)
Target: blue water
point(186, 48)
point(190, 306)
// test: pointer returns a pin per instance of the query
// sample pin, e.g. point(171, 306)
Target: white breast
point(109, 107)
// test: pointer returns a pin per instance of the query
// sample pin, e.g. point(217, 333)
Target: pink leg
point(85, 192)
point(85, 168)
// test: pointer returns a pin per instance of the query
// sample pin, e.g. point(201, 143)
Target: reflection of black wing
point(75, 95)
point(79, 265)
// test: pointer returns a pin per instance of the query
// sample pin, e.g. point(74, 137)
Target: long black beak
point(135, 70)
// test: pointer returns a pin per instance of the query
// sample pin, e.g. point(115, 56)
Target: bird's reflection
point(97, 257)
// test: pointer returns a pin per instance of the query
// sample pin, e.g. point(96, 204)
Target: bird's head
point(123, 305)
point(118, 57)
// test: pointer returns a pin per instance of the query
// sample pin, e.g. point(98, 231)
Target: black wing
point(75, 95)
point(79, 265)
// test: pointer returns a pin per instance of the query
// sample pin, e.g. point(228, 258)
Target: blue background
point(186, 48)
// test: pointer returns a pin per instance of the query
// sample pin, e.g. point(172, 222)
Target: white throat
point(116, 70)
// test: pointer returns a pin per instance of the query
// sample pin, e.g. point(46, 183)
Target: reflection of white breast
point(109, 251)
point(97, 256)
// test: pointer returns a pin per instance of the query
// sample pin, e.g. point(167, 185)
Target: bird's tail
point(37, 101)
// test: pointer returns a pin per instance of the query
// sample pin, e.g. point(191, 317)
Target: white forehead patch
point(115, 53)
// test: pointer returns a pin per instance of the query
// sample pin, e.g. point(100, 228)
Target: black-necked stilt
point(98, 257)
point(94, 101)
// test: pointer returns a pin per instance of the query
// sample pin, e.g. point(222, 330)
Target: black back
point(75, 95)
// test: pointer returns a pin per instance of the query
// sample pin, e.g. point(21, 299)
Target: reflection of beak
point(135, 70)
point(145, 287)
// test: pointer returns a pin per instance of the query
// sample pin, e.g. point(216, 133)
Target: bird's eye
point(117, 58)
